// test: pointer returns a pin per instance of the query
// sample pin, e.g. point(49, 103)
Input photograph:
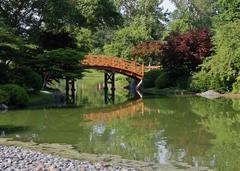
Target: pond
point(164, 130)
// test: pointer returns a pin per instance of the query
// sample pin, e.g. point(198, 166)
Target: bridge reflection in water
point(129, 109)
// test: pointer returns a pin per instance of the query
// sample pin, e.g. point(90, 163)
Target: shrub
point(183, 82)
point(4, 98)
point(150, 77)
point(165, 79)
point(17, 95)
point(236, 86)
point(27, 78)
point(203, 81)
point(199, 82)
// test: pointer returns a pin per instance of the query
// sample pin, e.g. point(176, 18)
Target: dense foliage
point(150, 77)
point(184, 52)
point(222, 69)
point(165, 79)
point(43, 40)
point(27, 78)
point(148, 52)
point(59, 63)
point(4, 98)
point(16, 95)
point(125, 39)
point(39, 39)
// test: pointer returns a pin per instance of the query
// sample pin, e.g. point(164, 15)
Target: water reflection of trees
point(194, 130)
point(187, 140)
point(167, 125)
point(188, 129)
point(221, 118)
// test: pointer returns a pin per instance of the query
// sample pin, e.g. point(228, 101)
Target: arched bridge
point(111, 65)
point(114, 64)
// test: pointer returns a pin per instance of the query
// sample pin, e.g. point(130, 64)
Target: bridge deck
point(126, 67)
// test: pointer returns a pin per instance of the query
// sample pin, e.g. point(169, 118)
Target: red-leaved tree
point(184, 52)
point(150, 52)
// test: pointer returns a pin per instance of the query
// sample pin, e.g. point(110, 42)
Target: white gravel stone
point(20, 159)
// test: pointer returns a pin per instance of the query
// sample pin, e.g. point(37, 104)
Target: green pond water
point(191, 129)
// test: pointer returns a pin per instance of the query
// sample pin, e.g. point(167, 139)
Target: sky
point(167, 5)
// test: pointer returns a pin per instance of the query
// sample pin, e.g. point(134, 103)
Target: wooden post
point(73, 91)
point(67, 89)
point(70, 95)
point(109, 78)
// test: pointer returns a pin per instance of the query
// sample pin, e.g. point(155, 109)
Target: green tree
point(59, 63)
point(125, 39)
point(147, 13)
point(10, 45)
point(192, 14)
point(32, 15)
point(223, 68)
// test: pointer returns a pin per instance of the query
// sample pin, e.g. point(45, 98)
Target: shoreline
point(18, 158)
point(67, 152)
point(179, 92)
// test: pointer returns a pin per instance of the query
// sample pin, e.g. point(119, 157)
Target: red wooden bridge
point(110, 65)
point(114, 64)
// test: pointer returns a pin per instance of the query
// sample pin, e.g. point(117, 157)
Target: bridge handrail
point(132, 67)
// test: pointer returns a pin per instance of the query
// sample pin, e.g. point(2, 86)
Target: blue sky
point(167, 5)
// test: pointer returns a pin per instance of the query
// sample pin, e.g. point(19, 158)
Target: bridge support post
point(135, 88)
point(70, 91)
point(109, 78)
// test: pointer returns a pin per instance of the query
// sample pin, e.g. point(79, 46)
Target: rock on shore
point(3, 107)
point(20, 159)
point(210, 94)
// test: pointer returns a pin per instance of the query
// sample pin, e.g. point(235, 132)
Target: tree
point(99, 12)
point(49, 40)
point(146, 13)
point(125, 39)
point(29, 16)
point(228, 10)
point(150, 51)
point(184, 52)
point(143, 21)
point(223, 67)
point(10, 45)
point(192, 14)
point(59, 63)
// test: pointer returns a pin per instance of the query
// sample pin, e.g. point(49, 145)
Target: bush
point(28, 78)
point(199, 82)
point(236, 86)
point(17, 95)
point(4, 72)
point(150, 77)
point(165, 79)
point(183, 82)
point(203, 81)
point(4, 98)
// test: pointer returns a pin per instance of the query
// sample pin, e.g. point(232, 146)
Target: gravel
point(20, 159)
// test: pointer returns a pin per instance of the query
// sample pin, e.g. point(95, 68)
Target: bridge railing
point(129, 67)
